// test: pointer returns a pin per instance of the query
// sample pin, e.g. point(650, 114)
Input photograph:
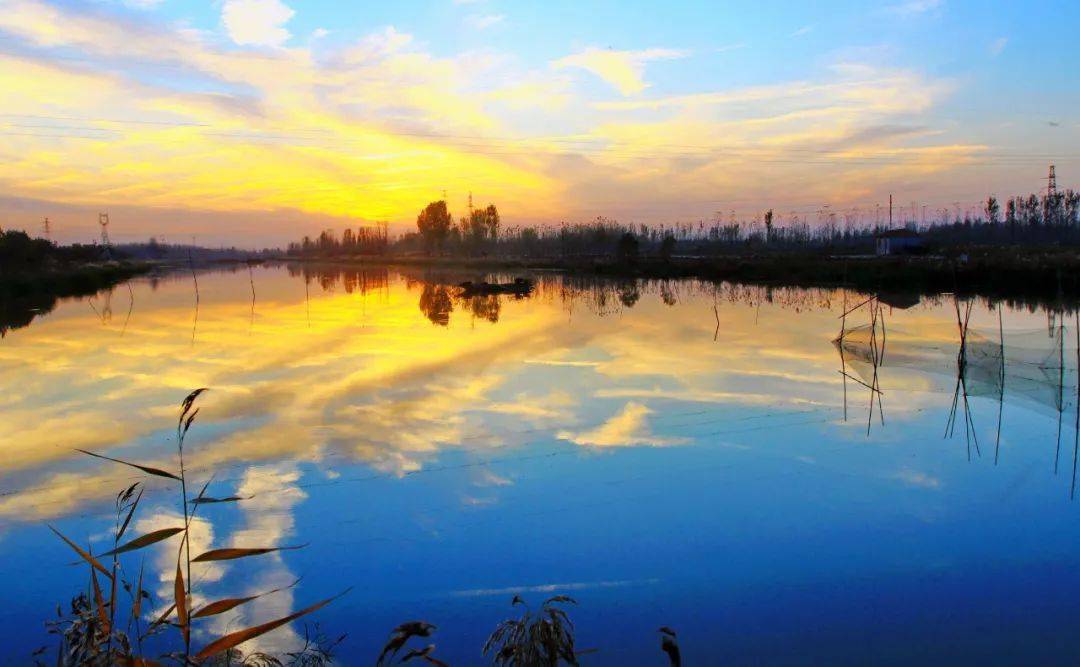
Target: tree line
point(20, 252)
point(1050, 218)
point(369, 240)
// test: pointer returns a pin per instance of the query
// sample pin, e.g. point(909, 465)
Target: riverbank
point(1001, 272)
point(27, 294)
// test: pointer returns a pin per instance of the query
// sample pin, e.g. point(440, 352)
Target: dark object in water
point(670, 646)
point(520, 287)
point(401, 635)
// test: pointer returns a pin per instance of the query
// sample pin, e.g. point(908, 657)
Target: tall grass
point(90, 635)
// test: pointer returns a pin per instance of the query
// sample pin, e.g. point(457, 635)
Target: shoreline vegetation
point(1028, 247)
point(35, 274)
point(1049, 274)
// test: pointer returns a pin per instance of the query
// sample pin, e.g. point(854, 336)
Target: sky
point(253, 122)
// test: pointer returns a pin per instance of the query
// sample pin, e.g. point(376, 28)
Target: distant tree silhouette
point(529, 240)
point(491, 219)
point(993, 210)
point(1037, 219)
point(434, 223)
point(20, 252)
point(627, 248)
point(667, 247)
point(481, 226)
point(473, 231)
point(1010, 217)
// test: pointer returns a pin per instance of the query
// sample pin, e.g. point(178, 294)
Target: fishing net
point(1037, 367)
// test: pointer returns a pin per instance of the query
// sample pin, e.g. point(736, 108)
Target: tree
point(993, 210)
point(529, 239)
point(433, 224)
point(474, 229)
point(491, 219)
point(1033, 214)
point(667, 247)
point(768, 225)
point(627, 248)
point(1010, 216)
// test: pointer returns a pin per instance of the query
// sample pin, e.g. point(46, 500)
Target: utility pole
point(890, 211)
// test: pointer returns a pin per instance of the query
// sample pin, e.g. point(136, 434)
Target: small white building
point(898, 242)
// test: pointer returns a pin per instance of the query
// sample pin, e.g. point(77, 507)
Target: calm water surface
point(686, 455)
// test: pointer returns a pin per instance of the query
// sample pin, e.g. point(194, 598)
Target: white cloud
point(489, 478)
point(201, 536)
point(805, 30)
point(918, 479)
point(256, 22)
point(998, 45)
point(355, 100)
point(628, 428)
point(378, 45)
point(484, 21)
point(622, 69)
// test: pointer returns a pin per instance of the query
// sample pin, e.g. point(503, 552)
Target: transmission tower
point(103, 220)
point(47, 229)
point(1051, 184)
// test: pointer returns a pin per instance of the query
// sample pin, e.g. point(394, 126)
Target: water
point(671, 454)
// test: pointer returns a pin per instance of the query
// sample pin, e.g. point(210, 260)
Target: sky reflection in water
point(664, 462)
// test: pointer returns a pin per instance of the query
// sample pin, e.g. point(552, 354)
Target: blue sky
point(651, 112)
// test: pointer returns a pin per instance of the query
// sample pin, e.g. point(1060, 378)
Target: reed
point(89, 634)
point(543, 637)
